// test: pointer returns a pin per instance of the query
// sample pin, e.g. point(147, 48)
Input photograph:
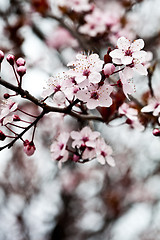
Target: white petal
point(123, 43)
point(126, 60)
point(148, 108)
point(141, 56)
point(101, 160)
point(137, 45)
point(117, 61)
point(128, 73)
point(117, 53)
point(111, 161)
point(140, 69)
point(94, 77)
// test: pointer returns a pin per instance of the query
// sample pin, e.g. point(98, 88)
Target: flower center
point(85, 139)
point(94, 95)
point(86, 72)
point(128, 52)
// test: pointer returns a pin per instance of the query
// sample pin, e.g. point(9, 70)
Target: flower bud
point(29, 147)
point(108, 69)
point(11, 59)
point(156, 132)
point(20, 62)
point(76, 158)
point(6, 96)
point(2, 136)
point(16, 118)
point(21, 70)
point(1, 56)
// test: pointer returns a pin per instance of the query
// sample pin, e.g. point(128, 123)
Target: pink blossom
point(132, 116)
point(86, 67)
point(94, 23)
point(85, 138)
point(58, 148)
point(104, 152)
point(61, 38)
point(130, 54)
point(29, 147)
point(95, 95)
point(153, 106)
point(61, 87)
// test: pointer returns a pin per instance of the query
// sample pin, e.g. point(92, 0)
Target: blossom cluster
point(86, 146)
point(87, 84)
point(88, 76)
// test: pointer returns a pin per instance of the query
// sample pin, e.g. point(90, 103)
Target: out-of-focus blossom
point(76, 5)
point(58, 148)
point(61, 38)
point(132, 116)
point(86, 67)
point(86, 141)
point(153, 107)
point(95, 95)
point(86, 137)
point(94, 23)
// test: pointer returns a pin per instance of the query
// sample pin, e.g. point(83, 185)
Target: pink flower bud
point(29, 147)
point(108, 69)
point(1, 56)
point(76, 158)
point(20, 62)
point(6, 96)
point(156, 132)
point(21, 70)
point(16, 118)
point(11, 59)
point(2, 136)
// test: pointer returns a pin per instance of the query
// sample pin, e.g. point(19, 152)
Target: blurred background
point(81, 201)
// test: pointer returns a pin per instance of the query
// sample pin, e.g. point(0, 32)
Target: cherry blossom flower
point(58, 148)
point(132, 116)
point(86, 137)
point(86, 141)
point(130, 54)
point(103, 152)
point(61, 87)
point(153, 106)
point(76, 5)
point(86, 67)
point(95, 95)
